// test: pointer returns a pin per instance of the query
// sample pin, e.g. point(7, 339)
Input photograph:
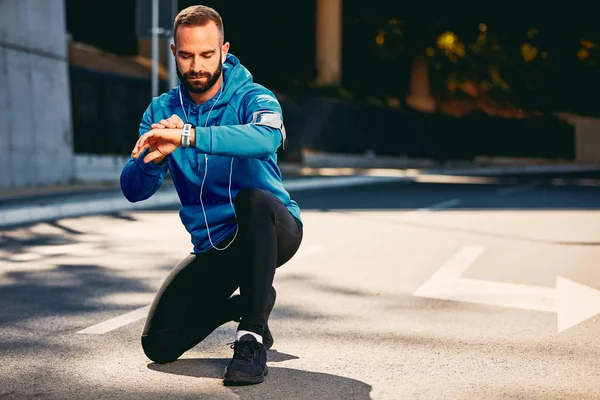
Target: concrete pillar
point(587, 139)
point(35, 101)
point(329, 42)
point(587, 136)
point(419, 97)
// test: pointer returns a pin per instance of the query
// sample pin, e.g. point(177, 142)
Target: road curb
point(167, 197)
point(516, 169)
point(116, 202)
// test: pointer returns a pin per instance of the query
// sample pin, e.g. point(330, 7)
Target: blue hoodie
point(228, 143)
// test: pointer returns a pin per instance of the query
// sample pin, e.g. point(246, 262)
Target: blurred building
point(43, 41)
point(75, 79)
point(35, 108)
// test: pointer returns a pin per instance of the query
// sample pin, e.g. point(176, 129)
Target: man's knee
point(253, 202)
point(161, 347)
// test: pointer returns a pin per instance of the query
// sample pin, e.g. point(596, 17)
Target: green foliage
point(527, 66)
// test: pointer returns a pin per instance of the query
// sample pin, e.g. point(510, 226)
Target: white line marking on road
point(437, 206)
point(136, 315)
point(443, 204)
point(572, 302)
point(117, 322)
point(514, 189)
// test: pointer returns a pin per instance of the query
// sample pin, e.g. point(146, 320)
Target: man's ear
point(173, 49)
point(224, 51)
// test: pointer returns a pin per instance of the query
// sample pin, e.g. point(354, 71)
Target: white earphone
point(206, 170)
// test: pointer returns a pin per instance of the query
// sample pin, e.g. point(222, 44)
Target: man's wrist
point(193, 137)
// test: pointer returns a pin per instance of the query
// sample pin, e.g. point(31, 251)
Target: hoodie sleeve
point(260, 136)
point(139, 181)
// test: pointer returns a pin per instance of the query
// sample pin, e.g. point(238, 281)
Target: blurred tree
point(512, 59)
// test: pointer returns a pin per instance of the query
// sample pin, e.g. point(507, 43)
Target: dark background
point(276, 41)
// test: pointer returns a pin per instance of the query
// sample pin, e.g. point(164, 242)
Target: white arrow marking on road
point(576, 301)
point(572, 302)
point(136, 315)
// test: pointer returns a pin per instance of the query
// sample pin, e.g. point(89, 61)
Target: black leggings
point(193, 300)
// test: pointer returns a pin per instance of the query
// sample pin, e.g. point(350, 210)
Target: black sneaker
point(249, 363)
point(235, 304)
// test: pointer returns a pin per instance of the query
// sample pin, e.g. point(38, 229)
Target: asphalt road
point(437, 289)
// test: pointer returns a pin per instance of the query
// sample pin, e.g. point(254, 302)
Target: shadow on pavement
point(62, 290)
point(281, 383)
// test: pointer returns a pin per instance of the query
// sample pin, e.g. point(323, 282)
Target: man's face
point(199, 56)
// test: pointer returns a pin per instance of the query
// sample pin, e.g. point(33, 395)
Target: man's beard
point(201, 86)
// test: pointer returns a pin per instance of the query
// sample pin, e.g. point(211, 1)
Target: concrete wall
point(35, 110)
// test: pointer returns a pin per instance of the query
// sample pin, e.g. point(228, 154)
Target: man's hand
point(159, 149)
point(170, 123)
point(161, 143)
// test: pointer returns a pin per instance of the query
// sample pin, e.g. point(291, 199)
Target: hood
point(235, 76)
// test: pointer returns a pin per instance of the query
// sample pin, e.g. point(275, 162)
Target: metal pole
point(154, 48)
point(171, 59)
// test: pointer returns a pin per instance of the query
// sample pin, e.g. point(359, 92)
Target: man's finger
point(135, 152)
point(167, 123)
point(176, 121)
point(142, 142)
point(157, 126)
point(146, 146)
point(136, 148)
point(146, 137)
point(153, 155)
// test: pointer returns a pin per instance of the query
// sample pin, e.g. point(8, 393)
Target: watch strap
point(185, 135)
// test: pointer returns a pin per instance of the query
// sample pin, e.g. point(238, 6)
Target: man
point(218, 134)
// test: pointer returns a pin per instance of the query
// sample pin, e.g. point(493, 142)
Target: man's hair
point(198, 16)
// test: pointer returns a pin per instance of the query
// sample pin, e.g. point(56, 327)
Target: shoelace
point(243, 350)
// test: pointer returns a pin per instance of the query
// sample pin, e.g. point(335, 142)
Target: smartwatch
point(185, 135)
